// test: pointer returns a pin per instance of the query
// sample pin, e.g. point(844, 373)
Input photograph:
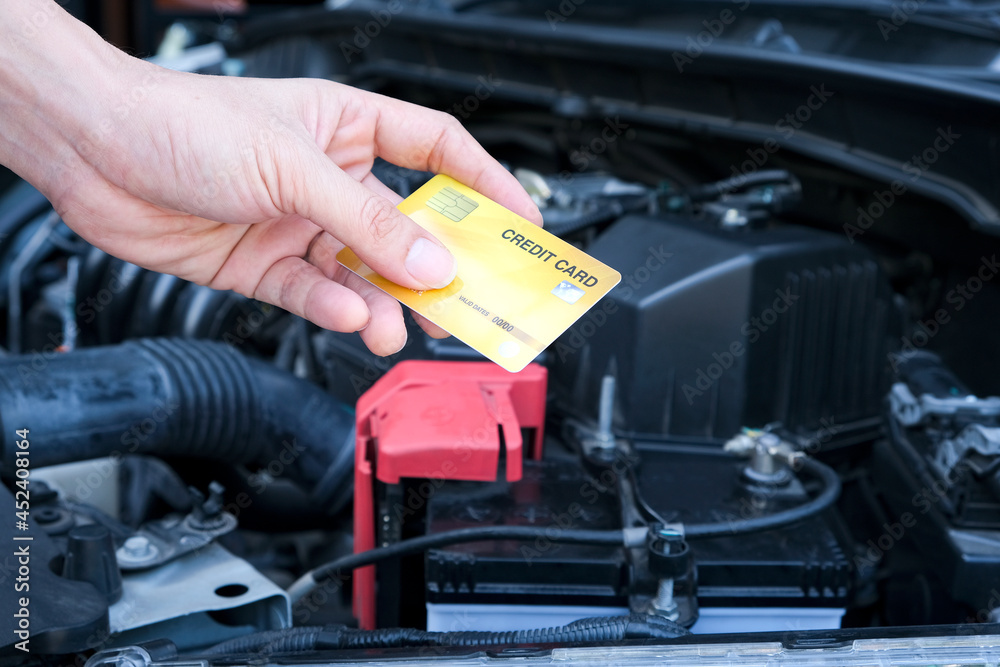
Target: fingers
point(386, 332)
point(418, 138)
point(432, 330)
point(301, 288)
point(369, 224)
point(308, 288)
point(380, 188)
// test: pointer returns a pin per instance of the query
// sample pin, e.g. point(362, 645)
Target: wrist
point(58, 80)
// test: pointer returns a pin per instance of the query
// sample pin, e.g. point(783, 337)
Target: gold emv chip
point(517, 289)
point(452, 204)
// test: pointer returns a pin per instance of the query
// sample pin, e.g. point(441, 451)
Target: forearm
point(58, 82)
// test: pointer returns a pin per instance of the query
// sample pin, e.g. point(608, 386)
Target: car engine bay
point(781, 426)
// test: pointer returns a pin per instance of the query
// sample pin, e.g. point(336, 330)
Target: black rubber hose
point(157, 297)
point(574, 221)
point(826, 498)
point(346, 564)
point(598, 630)
point(117, 301)
point(740, 182)
point(173, 397)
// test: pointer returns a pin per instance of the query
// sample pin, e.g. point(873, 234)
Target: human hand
point(250, 185)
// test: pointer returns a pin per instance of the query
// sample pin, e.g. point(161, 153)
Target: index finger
point(419, 138)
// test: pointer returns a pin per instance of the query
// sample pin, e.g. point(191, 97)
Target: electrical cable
point(736, 183)
point(632, 537)
point(827, 497)
point(599, 629)
point(337, 568)
point(703, 531)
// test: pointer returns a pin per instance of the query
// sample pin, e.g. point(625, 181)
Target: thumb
point(386, 240)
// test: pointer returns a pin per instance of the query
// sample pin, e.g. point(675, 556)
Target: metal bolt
point(607, 409)
point(207, 513)
point(762, 460)
point(663, 603)
point(138, 547)
point(670, 533)
point(601, 443)
point(734, 218)
point(47, 515)
point(605, 437)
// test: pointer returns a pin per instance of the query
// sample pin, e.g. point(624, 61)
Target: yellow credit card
point(517, 287)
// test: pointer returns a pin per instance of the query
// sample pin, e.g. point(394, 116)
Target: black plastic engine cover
point(712, 330)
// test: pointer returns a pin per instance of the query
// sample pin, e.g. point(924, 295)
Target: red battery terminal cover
point(438, 420)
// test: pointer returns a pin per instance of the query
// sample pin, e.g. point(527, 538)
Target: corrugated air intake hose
point(174, 397)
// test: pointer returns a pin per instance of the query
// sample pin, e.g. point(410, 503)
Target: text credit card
point(517, 287)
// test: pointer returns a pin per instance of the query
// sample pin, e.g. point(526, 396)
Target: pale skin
point(249, 185)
